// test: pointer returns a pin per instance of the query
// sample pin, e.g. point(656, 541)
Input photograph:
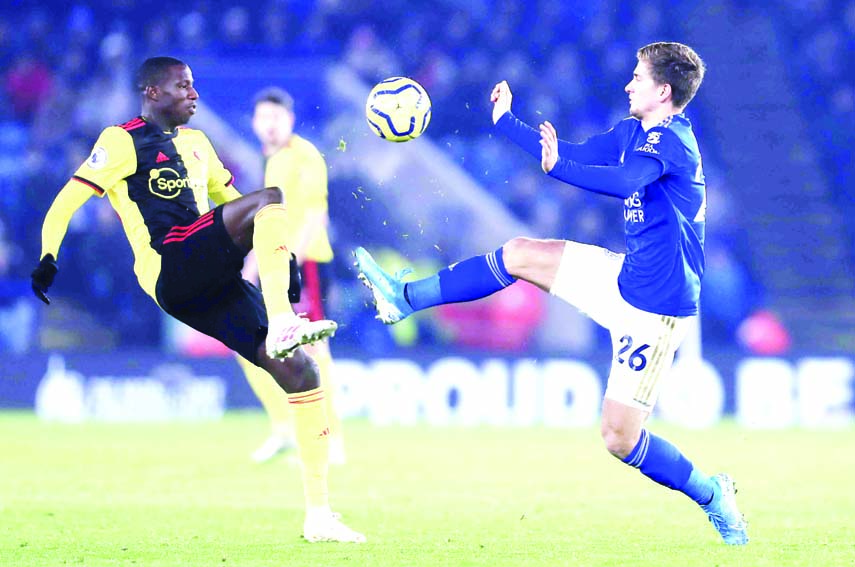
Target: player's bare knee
point(271, 196)
point(514, 255)
point(619, 442)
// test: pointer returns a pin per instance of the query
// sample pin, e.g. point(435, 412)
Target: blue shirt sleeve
point(636, 172)
point(602, 149)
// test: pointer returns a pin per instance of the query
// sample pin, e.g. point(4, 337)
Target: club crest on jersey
point(98, 159)
point(167, 183)
point(653, 137)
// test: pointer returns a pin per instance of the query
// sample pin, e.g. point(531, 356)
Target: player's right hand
point(42, 277)
point(501, 98)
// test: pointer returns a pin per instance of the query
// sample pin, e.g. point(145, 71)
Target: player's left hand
point(549, 146)
point(295, 285)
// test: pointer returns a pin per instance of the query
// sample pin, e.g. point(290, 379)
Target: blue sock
point(662, 462)
point(468, 280)
point(699, 487)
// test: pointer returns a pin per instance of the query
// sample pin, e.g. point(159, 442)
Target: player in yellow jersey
point(298, 168)
point(159, 177)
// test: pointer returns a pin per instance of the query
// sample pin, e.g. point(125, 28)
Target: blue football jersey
point(664, 221)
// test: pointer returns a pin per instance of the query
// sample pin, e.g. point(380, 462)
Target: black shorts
point(200, 284)
point(316, 283)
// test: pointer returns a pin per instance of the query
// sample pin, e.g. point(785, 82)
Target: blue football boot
point(724, 514)
point(388, 290)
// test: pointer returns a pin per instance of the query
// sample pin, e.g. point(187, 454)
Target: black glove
point(43, 276)
point(295, 286)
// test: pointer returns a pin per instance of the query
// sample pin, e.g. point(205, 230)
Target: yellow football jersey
point(155, 180)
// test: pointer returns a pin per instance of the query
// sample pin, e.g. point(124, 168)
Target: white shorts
point(643, 343)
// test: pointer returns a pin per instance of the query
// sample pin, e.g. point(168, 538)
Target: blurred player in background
point(159, 177)
point(647, 297)
point(298, 168)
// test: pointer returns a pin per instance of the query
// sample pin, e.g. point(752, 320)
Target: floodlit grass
point(187, 494)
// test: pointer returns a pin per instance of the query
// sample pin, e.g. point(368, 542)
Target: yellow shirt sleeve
point(226, 194)
point(68, 200)
point(113, 158)
point(220, 180)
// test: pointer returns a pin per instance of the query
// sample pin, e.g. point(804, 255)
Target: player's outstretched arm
point(601, 149)
point(618, 181)
point(516, 130)
point(66, 203)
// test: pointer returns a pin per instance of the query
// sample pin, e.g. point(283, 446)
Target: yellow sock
point(273, 256)
point(321, 353)
point(313, 435)
point(271, 395)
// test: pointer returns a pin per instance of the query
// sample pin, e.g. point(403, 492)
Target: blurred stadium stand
point(796, 235)
point(774, 120)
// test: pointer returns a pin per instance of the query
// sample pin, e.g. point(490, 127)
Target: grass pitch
point(187, 494)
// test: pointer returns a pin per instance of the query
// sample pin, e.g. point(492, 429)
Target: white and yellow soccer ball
point(398, 109)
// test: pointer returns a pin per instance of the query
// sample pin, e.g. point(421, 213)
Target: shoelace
point(719, 521)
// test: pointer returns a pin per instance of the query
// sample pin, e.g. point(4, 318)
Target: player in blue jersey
point(646, 297)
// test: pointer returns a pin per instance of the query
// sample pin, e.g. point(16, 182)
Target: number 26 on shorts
point(636, 359)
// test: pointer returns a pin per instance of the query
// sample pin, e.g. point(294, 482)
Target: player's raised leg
point(535, 261)
point(255, 221)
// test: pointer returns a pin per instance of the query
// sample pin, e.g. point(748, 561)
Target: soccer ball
point(398, 109)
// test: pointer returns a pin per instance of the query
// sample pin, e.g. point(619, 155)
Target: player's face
point(645, 95)
point(272, 123)
point(177, 98)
